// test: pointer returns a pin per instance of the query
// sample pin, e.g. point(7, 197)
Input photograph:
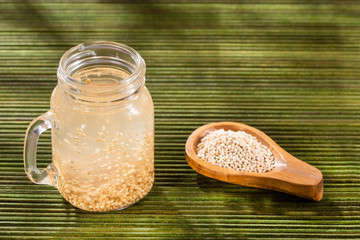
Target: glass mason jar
point(102, 129)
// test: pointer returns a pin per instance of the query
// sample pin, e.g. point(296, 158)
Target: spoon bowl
point(290, 174)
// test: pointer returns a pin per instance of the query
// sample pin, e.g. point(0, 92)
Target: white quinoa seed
point(236, 150)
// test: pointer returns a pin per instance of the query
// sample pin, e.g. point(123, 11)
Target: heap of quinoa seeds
point(235, 150)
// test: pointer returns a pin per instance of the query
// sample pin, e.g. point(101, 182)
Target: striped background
point(289, 68)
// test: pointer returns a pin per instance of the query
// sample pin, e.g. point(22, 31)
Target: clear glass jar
point(102, 129)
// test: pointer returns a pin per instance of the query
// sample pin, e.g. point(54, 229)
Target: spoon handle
point(297, 178)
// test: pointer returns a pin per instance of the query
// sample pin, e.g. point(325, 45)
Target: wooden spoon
point(290, 174)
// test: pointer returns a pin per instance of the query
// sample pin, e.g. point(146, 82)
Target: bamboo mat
point(289, 68)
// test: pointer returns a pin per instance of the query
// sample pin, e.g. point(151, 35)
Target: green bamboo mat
point(289, 68)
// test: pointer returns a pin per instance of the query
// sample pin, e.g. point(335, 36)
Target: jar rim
point(122, 88)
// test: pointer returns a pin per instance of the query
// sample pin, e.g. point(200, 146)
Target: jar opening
point(101, 69)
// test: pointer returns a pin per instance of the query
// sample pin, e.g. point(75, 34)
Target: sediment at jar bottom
point(115, 194)
point(112, 176)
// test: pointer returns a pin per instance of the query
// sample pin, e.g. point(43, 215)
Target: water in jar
point(104, 154)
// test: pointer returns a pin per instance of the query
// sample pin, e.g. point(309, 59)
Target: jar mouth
point(101, 69)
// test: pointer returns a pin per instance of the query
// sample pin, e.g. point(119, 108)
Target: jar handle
point(36, 128)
